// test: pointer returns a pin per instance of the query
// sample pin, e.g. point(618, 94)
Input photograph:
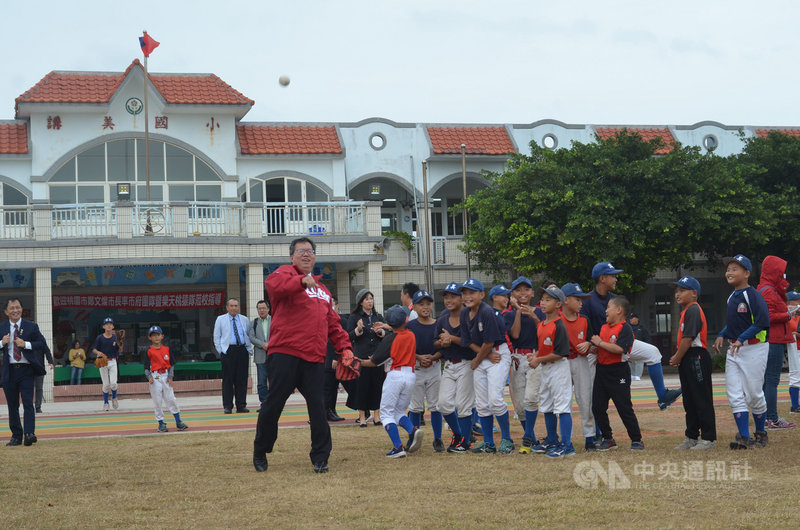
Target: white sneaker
point(105, 406)
point(687, 443)
point(115, 404)
point(636, 378)
point(703, 445)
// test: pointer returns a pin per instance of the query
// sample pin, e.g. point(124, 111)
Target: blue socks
point(590, 439)
point(760, 420)
point(414, 417)
point(105, 397)
point(551, 424)
point(177, 417)
point(394, 435)
point(452, 421)
point(565, 422)
point(465, 425)
point(657, 378)
point(794, 395)
point(743, 423)
point(530, 422)
point(487, 424)
point(436, 425)
point(505, 428)
point(406, 424)
point(113, 394)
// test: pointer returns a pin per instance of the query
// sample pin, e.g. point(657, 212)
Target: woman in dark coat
point(365, 328)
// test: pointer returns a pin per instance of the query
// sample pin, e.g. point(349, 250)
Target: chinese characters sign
point(154, 301)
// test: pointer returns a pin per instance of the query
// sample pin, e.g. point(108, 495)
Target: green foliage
point(560, 212)
point(405, 239)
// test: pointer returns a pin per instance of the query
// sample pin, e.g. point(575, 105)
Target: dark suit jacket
point(29, 332)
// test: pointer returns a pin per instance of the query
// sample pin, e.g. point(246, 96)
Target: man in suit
point(38, 383)
point(259, 336)
point(21, 340)
point(233, 344)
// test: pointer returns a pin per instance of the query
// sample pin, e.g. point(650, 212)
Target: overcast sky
point(501, 61)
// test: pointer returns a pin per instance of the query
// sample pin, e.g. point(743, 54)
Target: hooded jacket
point(303, 318)
point(773, 287)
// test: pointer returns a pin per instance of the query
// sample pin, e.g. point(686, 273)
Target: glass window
point(121, 160)
point(275, 191)
point(156, 192)
point(294, 189)
point(62, 195)
point(256, 191)
point(203, 171)
point(156, 161)
point(66, 173)
point(180, 192)
point(13, 197)
point(315, 194)
point(92, 165)
point(179, 164)
point(91, 194)
point(209, 193)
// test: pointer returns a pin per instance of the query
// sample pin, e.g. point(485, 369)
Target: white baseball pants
point(427, 387)
point(582, 369)
point(490, 383)
point(744, 378)
point(163, 396)
point(396, 394)
point(456, 390)
point(108, 374)
point(555, 393)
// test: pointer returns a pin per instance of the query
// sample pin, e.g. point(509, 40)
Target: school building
point(89, 235)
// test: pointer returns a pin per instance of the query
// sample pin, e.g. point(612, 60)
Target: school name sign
point(172, 300)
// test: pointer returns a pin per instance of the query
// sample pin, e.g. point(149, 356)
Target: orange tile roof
point(478, 140)
point(13, 138)
point(290, 139)
point(99, 87)
point(647, 134)
point(763, 133)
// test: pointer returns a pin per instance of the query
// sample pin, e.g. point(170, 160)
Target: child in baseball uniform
point(793, 302)
point(694, 368)
point(612, 378)
point(747, 320)
point(594, 308)
point(398, 348)
point(106, 345)
point(481, 332)
point(428, 368)
point(581, 359)
point(159, 371)
point(456, 393)
point(521, 324)
point(555, 392)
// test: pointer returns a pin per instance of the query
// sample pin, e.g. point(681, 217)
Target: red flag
point(148, 44)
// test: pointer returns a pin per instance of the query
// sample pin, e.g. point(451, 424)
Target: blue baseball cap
point(741, 259)
point(604, 267)
point(421, 295)
point(499, 289)
point(453, 288)
point(397, 315)
point(792, 295)
point(522, 280)
point(687, 282)
point(573, 289)
point(473, 285)
point(555, 292)
point(155, 329)
point(108, 320)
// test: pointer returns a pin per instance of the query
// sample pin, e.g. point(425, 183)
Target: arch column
point(43, 316)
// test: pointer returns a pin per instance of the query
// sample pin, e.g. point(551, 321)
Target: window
point(284, 189)
point(91, 176)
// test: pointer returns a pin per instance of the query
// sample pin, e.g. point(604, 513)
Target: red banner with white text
point(156, 301)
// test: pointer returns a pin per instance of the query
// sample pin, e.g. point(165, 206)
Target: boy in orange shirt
point(793, 302)
point(159, 371)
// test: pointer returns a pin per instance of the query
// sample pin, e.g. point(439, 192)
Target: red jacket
point(773, 287)
point(302, 319)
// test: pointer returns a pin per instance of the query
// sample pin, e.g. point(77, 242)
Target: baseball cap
point(741, 259)
point(397, 315)
point(573, 289)
point(108, 320)
point(522, 280)
point(453, 288)
point(792, 295)
point(155, 329)
point(473, 285)
point(687, 282)
point(555, 292)
point(604, 267)
point(499, 289)
point(420, 295)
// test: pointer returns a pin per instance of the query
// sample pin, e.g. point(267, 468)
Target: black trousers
point(287, 372)
point(234, 377)
point(20, 383)
point(38, 384)
point(698, 395)
point(613, 381)
point(331, 389)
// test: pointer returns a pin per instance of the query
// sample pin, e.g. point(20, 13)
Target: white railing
point(152, 219)
point(216, 219)
point(313, 218)
point(16, 222)
point(443, 249)
point(83, 221)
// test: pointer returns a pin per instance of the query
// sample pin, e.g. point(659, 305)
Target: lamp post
point(464, 190)
point(429, 259)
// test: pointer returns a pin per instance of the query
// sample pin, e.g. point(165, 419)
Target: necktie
point(17, 351)
point(235, 331)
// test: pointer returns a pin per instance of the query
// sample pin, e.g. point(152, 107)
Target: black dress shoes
point(242, 411)
point(321, 467)
point(260, 462)
point(228, 411)
point(14, 441)
point(332, 416)
point(30, 439)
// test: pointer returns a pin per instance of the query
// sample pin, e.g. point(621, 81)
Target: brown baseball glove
point(101, 361)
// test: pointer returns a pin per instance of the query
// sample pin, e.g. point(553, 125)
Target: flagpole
point(148, 229)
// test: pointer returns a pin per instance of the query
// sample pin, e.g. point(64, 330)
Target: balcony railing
point(444, 251)
point(187, 219)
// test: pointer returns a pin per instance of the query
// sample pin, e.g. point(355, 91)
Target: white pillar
point(373, 272)
point(343, 290)
point(43, 316)
point(255, 292)
point(233, 286)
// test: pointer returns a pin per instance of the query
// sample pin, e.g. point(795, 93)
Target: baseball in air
point(284, 80)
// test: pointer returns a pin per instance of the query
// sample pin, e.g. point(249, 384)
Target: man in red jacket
point(773, 287)
point(303, 320)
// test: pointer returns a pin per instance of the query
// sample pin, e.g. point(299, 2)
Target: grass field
point(206, 480)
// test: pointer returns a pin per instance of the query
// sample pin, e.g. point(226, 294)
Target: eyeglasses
point(305, 252)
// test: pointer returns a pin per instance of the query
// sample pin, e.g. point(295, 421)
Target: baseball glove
point(348, 367)
point(101, 361)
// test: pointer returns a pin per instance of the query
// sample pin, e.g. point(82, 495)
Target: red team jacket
point(303, 319)
point(773, 288)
